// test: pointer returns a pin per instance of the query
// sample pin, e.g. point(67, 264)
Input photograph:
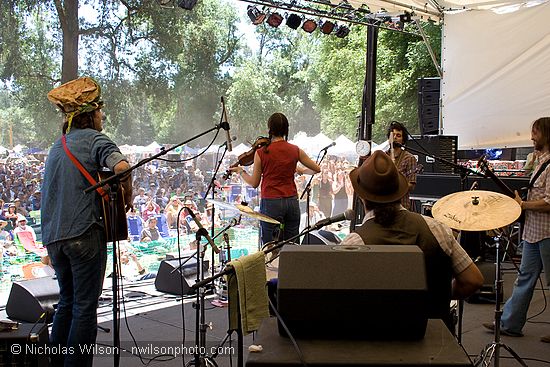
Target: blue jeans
point(286, 211)
point(535, 257)
point(79, 265)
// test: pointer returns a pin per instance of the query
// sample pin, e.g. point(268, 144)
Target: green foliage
point(163, 71)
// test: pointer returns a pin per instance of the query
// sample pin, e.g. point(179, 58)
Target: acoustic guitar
point(120, 220)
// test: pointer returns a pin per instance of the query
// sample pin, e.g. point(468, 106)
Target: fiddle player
point(404, 160)
point(274, 167)
point(450, 272)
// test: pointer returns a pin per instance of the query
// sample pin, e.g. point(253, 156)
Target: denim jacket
point(67, 212)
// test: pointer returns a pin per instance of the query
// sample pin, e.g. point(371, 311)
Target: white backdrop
point(496, 77)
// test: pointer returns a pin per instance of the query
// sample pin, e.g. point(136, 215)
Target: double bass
point(247, 158)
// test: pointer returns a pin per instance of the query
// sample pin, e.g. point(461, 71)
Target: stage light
point(293, 21)
point(275, 19)
point(309, 25)
point(342, 31)
point(187, 4)
point(256, 16)
point(405, 18)
point(327, 27)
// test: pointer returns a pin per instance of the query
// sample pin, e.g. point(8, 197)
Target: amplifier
point(441, 146)
point(353, 292)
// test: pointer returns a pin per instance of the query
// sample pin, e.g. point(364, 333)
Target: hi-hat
point(245, 210)
point(476, 210)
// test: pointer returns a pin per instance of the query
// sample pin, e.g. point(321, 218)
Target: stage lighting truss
point(256, 15)
point(341, 12)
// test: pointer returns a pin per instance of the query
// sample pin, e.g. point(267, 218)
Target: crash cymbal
point(244, 210)
point(476, 210)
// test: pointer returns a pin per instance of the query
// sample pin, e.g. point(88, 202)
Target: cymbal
point(245, 210)
point(476, 210)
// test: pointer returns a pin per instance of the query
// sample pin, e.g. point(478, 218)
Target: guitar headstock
point(483, 164)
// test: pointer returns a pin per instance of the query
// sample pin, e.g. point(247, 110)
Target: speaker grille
point(441, 146)
point(428, 105)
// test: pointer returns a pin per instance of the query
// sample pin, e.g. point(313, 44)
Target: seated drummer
point(450, 272)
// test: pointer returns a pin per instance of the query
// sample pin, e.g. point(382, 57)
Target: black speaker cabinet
point(487, 292)
point(30, 340)
point(353, 292)
point(442, 146)
point(428, 105)
point(29, 299)
point(170, 273)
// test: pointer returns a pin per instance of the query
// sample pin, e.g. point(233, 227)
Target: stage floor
point(156, 317)
point(155, 321)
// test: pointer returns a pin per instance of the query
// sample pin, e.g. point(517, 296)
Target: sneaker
point(545, 338)
point(491, 326)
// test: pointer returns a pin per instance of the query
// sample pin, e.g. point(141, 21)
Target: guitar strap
point(539, 172)
point(81, 168)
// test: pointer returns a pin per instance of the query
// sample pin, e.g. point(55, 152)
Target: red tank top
point(278, 168)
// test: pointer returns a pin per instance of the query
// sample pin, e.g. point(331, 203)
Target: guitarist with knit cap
point(73, 227)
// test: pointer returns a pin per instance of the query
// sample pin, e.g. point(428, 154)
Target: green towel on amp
point(247, 292)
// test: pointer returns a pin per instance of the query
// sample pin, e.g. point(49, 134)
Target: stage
point(156, 319)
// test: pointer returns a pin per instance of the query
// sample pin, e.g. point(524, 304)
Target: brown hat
point(76, 97)
point(378, 180)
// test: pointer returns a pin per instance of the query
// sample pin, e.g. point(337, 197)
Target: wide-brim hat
point(378, 179)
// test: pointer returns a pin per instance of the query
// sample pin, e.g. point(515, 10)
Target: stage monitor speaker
point(487, 293)
point(169, 275)
point(428, 105)
point(29, 299)
point(31, 340)
point(441, 146)
point(353, 292)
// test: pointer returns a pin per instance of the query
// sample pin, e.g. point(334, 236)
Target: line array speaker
point(428, 105)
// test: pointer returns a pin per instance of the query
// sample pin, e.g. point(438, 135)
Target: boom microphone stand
point(113, 182)
point(307, 190)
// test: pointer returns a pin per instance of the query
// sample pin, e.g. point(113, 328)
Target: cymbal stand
point(492, 350)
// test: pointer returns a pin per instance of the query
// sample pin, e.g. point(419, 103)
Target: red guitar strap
point(81, 168)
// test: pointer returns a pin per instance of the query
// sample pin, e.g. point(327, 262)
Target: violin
point(247, 158)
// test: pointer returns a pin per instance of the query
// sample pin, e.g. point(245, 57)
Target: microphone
point(329, 146)
point(233, 138)
point(347, 215)
point(203, 231)
point(226, 127)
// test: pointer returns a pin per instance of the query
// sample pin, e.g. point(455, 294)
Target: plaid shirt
point(537, 224)
point(406, 164)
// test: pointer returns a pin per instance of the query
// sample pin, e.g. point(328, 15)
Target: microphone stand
point(113, 182)
point(464, 172)
point(307, 192)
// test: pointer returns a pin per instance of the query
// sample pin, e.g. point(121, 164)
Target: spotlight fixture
point(256, 16)
point(327, 27)
point(309, 25)
point(275, 19)
point(342, 31)
point(405, 18)
point(187, 4)
point(294, 21)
